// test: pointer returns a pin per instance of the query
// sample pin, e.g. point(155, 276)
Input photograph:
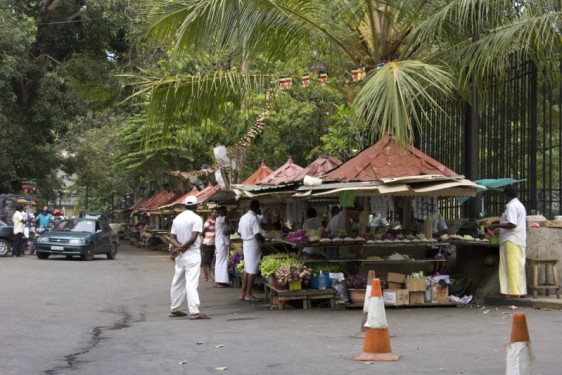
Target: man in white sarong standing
point(249, 229)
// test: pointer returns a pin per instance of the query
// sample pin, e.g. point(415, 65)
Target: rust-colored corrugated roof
point(179, 200)
point(288, 172)
point(160, 199)
point(260, 173)
point(140, 204)
point(204, 194)
point(385, 160)
point(320, 166)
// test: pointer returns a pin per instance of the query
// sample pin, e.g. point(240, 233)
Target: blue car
point(84, 237)
point(6, 238)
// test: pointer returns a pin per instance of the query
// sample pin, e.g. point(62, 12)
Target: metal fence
point(518, 135)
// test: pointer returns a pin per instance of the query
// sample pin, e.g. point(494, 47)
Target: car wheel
point(89, 253)
point(43, 255)
point(4, 248)
point(113, 251)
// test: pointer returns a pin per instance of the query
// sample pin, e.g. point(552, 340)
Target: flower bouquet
point(293, 274)
point(235, 258)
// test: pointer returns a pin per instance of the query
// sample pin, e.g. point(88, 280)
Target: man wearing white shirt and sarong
point(249, 229)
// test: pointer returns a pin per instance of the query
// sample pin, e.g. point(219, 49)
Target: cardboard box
point(440, 294)
point(417, 297)
point(395, 277)
point(396, 297)
point(415, 285)
point(395, 285)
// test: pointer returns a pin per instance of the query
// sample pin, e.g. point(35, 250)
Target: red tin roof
point(260, 173)
point(206, 193)
point(179, 200)
point(160, 199)
point(385, 160)
point(288, 172)
point(319, 167)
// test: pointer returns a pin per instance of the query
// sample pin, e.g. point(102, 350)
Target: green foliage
point(270, 263)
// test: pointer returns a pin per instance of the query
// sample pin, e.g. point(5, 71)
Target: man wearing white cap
point(185, 238)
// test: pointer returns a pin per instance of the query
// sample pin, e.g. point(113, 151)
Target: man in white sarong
point(249, 229)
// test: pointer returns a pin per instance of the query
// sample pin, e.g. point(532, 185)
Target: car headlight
point(77, 242)
point(42, 239)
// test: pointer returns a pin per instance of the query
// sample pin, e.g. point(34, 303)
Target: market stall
point(378, 180)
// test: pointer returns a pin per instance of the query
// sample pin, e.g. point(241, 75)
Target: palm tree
point(430, 49)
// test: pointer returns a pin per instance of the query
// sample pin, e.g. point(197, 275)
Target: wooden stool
point(549, 266)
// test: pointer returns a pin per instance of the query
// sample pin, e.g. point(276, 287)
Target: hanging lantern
point(323, 78)
point(285, 82)
point(355, 74)
point(305, 81)
point(362, 73)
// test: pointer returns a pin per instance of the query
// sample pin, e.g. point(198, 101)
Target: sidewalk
point(541, 302)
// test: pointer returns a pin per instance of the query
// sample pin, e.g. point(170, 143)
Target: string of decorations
point(285, 83)
point(240, 147)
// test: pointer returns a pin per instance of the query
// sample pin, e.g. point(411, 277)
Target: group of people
point(194, 244)
point(188, 227)
point(26, 224)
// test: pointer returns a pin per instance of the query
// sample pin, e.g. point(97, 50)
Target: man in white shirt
point(19, 224)
point(337, 222)
point(249, 229)
point(185, 238)
point(513, 242)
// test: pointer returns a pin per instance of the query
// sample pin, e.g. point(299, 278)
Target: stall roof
point(206, 193)
point(288, 172)
point(386, 160)
point(260, 173)
point(160, 199)
point(179, 200)
point(423, 185)
point(319, 167)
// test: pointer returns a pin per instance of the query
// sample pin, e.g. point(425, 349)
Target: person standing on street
point(19, 224)
point(185, 238)
point(222, 244)
point(249, 229)
point(44, 219)
point(209, 244)
point(513, 242)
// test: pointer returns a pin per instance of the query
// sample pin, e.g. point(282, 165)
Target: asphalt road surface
point(64, 316)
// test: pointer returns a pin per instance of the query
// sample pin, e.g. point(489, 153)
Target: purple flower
point(356, 281)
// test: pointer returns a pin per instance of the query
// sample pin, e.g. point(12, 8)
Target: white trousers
point(221, 262)
point(186, 281)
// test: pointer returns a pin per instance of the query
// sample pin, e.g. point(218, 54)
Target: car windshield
point(77, 226)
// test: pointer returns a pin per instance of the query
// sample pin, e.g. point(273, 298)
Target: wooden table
point(277, 297)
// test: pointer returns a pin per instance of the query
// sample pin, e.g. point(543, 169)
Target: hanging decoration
point(285, 82)
point(305, 81)
point(323, 76)
point(362, 73)
point(358, 74)
point(240, 147)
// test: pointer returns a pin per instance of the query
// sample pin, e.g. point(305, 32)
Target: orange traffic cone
point(370, 277)
point(519, 356)
point(377, 339)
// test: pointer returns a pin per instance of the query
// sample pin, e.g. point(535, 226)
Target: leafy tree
point(429, 49)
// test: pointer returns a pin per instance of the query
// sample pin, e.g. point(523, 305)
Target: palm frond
point(192, 100)
point(392, 97)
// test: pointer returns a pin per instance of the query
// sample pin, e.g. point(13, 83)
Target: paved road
point(111, 317)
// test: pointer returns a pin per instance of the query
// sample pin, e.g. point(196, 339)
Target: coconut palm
point(430, 49)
